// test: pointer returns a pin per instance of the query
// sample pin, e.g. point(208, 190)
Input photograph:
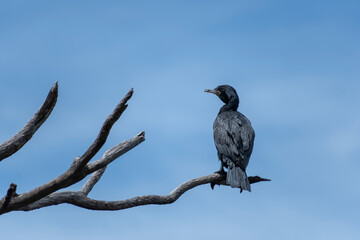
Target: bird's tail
point(237, 178)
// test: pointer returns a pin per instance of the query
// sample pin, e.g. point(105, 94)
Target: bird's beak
point(217, 93)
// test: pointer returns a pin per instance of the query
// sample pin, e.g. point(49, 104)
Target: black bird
point(233, 137)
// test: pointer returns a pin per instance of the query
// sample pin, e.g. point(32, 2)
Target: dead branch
point(80, 199)
point(78, 170)
point(94, 178)
point(12, 145)
point(48, 194)
point(104, 133)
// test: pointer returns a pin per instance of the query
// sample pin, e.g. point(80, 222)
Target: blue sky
point(295, 65)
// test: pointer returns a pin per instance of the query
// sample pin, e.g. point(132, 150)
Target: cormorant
point(233, 137)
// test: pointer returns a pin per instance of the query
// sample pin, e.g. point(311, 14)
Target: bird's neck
point(232, 105)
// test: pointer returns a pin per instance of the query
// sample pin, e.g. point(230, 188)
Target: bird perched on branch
point(233, 137)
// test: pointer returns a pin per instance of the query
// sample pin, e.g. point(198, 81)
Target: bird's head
point(226, 93)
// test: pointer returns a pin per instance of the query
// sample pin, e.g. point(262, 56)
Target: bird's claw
point(221, 172)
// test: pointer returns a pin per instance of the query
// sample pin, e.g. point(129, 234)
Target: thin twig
point(104, 132)
point(115, 152)
point(94, 178)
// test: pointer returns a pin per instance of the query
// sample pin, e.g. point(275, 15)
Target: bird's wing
point(234, 137)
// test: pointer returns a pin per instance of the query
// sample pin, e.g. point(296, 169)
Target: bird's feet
point(221, 172)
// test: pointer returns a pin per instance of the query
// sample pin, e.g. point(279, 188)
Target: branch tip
point(142, 134)
point(55, 85)
point(11, 192)
point(15, 143)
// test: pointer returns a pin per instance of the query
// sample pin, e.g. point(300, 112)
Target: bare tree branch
point(12, 145)
point(81, 200)
point(47, 195)
point(109, 156)
point(114, 152)
point(104, 132)
point(94, 178)
point(77, 170)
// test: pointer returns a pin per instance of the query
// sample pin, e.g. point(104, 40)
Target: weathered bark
point(80, 198)
point(79, 169)
point(12, 145)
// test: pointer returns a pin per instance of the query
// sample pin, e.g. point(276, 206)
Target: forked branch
point(79, 169)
